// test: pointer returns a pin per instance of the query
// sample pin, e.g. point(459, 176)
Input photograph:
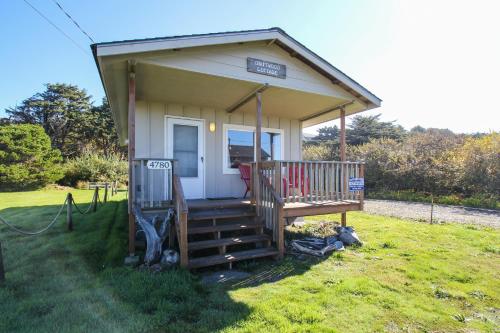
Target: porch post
point(258, 157)
point(343, 159)
point(131, 156)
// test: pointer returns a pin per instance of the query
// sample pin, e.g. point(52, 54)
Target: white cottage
point(192, 110)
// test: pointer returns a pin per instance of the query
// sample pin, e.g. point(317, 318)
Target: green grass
point(478, 201)
point(407, 277)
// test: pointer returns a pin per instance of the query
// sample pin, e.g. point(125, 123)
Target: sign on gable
point(266, 68)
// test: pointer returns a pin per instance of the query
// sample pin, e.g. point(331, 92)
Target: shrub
point(325, 151)
point(27, 160)
point(479, 161)
point(95, 168)
point(458, 170)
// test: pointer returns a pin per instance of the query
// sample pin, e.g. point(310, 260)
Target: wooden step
point(218, 204)
point(224, 227)
point(218, 214)
point(227, 241)
point(231, 257)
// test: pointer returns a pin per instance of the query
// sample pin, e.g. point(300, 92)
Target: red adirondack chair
point(291, 184)
point(246, 176)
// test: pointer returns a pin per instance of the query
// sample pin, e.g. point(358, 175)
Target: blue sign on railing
point(356, 184)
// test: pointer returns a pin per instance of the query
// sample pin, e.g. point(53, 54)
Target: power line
point(73, 20)
point(55, 26)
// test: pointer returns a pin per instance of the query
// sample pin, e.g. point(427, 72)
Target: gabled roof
point(276, 35)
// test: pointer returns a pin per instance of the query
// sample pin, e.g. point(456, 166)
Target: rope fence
point(69, 203)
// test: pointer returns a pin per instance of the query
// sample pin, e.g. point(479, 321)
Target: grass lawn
point(409, 277)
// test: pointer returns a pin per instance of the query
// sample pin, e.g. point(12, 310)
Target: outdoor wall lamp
point(211, 127)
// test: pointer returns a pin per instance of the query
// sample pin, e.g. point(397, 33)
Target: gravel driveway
point(422, 211)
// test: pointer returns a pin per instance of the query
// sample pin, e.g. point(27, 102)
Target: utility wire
point(55, 26)
point(73, 20)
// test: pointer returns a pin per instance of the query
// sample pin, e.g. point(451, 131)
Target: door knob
point(202, 159)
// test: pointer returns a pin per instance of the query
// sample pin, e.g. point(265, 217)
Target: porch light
point(211, 127)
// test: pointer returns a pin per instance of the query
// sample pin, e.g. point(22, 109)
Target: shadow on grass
point(76, 280)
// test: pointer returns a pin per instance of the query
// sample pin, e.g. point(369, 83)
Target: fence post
point(362, 192)
point(2, 271)
point(96, 194)
point(105, 192)
point(69, 212)
point(432, 207)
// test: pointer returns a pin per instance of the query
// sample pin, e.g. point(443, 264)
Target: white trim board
point(225, 127)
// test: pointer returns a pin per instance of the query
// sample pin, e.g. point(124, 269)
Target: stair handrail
point(181, 210)
point(271, 209)
point(267, 184)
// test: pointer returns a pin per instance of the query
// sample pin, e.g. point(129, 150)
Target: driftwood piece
point(348, 236)
point(154, 236)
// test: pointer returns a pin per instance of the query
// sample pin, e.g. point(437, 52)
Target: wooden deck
point(291, 209)
point(296, 209)
point(224, 230)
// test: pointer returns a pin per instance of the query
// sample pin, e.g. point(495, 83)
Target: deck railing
point(152, 180)
point(276, 183)
point(313, 181)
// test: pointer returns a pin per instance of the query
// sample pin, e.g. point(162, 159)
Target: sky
point(433, 63)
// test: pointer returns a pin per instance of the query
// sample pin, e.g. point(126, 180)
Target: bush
point(27, 160)
point(423, 162)
point(457, 169)
point(479, 161)
point(95, 168)
point(324, 151)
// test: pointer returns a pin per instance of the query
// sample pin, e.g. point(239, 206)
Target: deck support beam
point(258, 153)
point(131, 156)
point(343, 159)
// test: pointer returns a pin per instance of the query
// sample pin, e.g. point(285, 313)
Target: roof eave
point(285, 41)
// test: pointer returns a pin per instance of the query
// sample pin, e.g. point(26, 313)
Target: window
point(271, 146)
point(186, 150)
point(239, 146)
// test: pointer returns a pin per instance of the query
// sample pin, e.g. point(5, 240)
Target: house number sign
point(266, 68)
point(159, 165)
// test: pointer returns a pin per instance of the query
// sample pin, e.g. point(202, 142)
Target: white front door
point(185, 144)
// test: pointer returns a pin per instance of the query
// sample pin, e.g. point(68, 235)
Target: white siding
point(150, 139)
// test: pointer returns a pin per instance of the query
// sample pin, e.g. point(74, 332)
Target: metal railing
point(152, 182)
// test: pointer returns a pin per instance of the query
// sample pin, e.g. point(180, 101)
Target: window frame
point(226, 170)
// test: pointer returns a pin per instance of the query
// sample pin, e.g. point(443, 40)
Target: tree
point(27, 159)
point(100, 131)
point(417, 129)
point(328, 133)
point(364, 128)
point(62, 110)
